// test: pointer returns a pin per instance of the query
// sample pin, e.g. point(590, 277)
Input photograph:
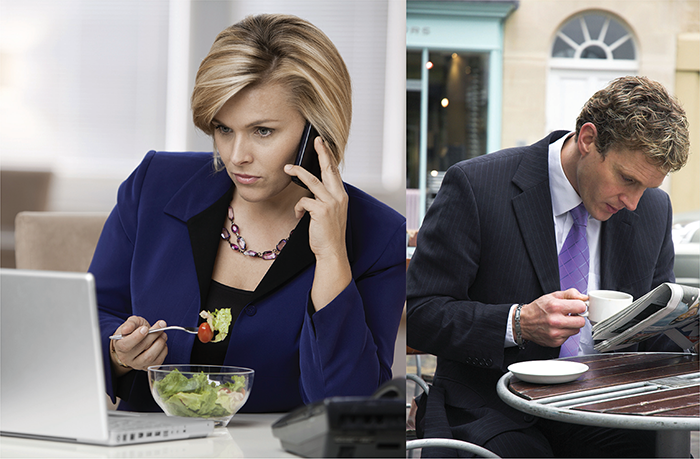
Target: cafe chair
point(57, 241)
point(449, 443)
point(422, 380)
point(20, 190)
point(418, 380)
point(413, 443)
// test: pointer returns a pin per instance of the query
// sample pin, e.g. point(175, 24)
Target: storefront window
point(413, 111)
point(457, 104)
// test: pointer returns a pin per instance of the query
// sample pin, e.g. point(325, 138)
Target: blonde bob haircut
point(277, 49)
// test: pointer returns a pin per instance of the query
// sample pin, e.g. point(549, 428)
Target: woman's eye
point(264, 132)
point(222, 129)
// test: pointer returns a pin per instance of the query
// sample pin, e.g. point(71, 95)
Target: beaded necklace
point(239, 244)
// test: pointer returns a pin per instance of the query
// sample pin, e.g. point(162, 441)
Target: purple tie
point(574, 261)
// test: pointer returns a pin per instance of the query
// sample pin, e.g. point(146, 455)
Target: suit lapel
point(533, 211)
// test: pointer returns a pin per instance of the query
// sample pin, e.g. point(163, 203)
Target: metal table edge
point(627, 421)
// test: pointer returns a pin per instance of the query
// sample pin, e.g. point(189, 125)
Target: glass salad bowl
point(200, 391)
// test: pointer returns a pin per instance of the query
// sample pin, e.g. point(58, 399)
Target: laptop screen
point(52, 381)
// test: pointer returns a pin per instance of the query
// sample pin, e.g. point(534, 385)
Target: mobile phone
point(306, 155)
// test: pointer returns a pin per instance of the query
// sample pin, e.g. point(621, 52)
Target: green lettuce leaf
point(197, 397)
point(219, 321)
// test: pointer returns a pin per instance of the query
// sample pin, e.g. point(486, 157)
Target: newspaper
point(670, 308)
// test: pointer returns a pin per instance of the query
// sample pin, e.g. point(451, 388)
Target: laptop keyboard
point(127, 429)
point(134, 424)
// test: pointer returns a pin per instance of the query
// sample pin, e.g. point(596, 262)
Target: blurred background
point(87, 87)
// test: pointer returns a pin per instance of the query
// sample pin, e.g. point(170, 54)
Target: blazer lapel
point(203, 189)
point(297, 256)
point(201, 203)
point(533, 211)
point(205, 232)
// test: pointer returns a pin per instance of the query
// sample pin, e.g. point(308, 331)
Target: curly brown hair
point(636, 113)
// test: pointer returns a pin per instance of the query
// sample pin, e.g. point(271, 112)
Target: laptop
point(51, 373)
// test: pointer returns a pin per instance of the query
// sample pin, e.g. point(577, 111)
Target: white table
point(247, 435)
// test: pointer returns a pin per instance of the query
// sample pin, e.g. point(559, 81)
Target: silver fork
point(172, 327)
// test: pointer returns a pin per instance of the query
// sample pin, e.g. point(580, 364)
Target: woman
point(316, 290)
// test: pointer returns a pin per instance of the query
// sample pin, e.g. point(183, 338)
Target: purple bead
point(250, 253)
point(269, 255)
point(234, 246)
point(241, 243)
point(230, 213)
point(234, 228)
point(281, 244)
point(225, 234)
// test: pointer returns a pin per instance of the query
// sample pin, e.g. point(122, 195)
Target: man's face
point(616, 181)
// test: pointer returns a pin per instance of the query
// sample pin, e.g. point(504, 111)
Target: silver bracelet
point(518, 333)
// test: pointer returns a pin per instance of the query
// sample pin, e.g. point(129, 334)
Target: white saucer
point(548, 371)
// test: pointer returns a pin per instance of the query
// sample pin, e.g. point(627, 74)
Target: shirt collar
point(564, 196)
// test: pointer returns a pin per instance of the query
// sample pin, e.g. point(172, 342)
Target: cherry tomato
point(204, 333)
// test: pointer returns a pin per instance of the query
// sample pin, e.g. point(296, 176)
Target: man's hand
point(546, 321)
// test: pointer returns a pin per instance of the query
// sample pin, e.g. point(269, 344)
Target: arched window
point(588, 50)
point(594, 36)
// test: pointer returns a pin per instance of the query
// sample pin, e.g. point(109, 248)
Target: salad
point(217, 322)
point(199, 397)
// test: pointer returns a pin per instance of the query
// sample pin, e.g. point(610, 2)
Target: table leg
point(673, 443)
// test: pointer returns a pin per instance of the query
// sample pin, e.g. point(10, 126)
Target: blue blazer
point(488, 242)
point(148, 263)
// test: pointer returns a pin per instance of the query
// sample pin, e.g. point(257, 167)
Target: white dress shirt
point(565, 198)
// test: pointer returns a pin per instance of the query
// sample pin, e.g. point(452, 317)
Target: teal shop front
point(454, 74)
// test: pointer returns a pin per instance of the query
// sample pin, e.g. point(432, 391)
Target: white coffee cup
point(605, 303)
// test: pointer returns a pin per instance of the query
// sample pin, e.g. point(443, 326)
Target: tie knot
point(580, 215)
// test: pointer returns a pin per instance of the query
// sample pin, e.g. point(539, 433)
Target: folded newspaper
point(669, 308)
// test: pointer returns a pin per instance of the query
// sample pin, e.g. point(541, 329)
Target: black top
point(220, 296)
point(214, 295)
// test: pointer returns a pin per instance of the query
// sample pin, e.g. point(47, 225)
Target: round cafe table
point(646, 391)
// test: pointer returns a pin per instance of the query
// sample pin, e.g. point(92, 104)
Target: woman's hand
point(328, 209)
point(137, 349)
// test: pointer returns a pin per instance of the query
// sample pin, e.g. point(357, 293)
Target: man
point(484, 288)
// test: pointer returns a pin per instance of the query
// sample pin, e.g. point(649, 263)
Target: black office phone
point(348, 426)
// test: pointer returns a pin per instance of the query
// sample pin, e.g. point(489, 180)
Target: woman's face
point(257, 132)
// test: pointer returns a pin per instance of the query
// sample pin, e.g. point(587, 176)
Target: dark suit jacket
point(155, 258)
point(488, 242)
